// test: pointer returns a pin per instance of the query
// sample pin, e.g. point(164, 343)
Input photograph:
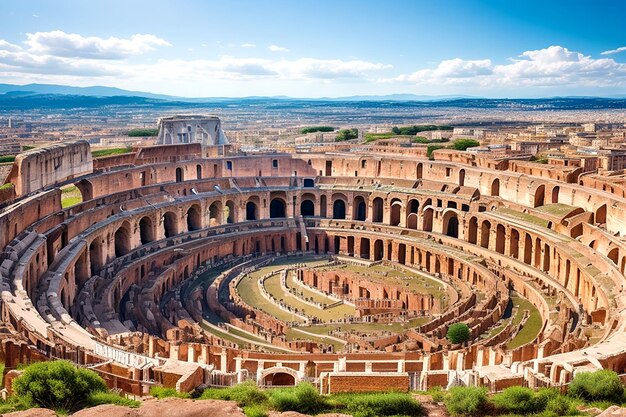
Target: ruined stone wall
point(42, 167)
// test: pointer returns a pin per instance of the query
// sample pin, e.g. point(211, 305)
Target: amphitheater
point(188, 265)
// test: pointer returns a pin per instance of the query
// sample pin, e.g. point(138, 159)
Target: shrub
point(601, 385)
point(463, 144)
point(466, 401)
point(438, 394)
point(561, 406)
point(378, 404)
point(520, 400)
point(58, 385)
point(110, 397)
point(162, 392)
point(245, 394)
point(458, 333)
point(255, 411)
point(304, 399)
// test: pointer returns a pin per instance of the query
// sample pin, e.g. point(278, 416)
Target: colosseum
point(188, 265)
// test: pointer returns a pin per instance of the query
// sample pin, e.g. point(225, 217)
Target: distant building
point(206, 130)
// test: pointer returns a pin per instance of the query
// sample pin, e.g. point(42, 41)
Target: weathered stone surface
point(33, 412)
point(170, 407)
point(613, 411)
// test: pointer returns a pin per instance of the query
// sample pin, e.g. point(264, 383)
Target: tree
point(458, 333)
point(58, 385)
point(463, 144)
point(347, 134)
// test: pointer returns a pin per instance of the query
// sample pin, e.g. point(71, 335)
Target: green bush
point(102, 397)
point(561, 406)
point(304, 398)
point(346, 134)
point(377, 404)
point(312, 129)
point(601, 385)
point(432, 148)
point(437, 394)
point(466, 401)
point(58, 385)
point(520, 400)
point(245, 394)
point(255, 411)
point(463, 144)
point(458, 333)
point(140, 132)
point(162, 392)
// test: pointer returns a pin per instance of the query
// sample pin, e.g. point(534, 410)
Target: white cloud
point(554, 66)
point(72, 45)
point(247, 45)
point(614, 51)
point(276, 48)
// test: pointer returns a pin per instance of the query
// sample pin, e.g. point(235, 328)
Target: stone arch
point(396, 212)
point(359, 208)
point(170, 224)
point(472, 232)
point(199, 171)
point(450, 224)
point(229, 211)
point(500, 238)
point(215, 213)
point(514, 244)
point(613, 255)
point(122, 240)
point(540, 195)
point(600, 216)
point(377, 210)
point(339, 209)
point(485, 229)
point(252, 209)
point(365, 248)
point(307, 208)
point(279, 376)
point(146, 230)
point(427, 224)
point(378, 250)
point(278, 208)
point(419, 171)
point(194, 219)
point(555, 195)
point(462, 177)
point(179, 175)
point(495, 188)
point(86, 189)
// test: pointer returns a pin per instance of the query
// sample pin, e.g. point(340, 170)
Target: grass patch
point(109, 152)
point(533, 325)
point(70, 196)
point(6, 158)
point(376, 404)
point(98, 398)
point(6, 186)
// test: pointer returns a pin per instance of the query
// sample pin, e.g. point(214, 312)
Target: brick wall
point(371, 382)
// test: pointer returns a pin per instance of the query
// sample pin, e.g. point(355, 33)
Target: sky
point(319, 48)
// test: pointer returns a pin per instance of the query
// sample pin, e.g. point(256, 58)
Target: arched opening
point(194, 220)
point(146, 230)
point(472, 235)
point(613, 255)
point(462, 177)
point(215, 214)
point(540, 195)
point(377, 210)
point(365, 248)
point(95, 257)
point(428, 220)
point(360, 209)
point(307, 208)
point(86, 189)
point(277, 208)
point(323, 203)
point(528, 249)
point(500, 236)
point(555, 194)
point(514, 244)
point(601, 214)
point(122, 240)
point(418, 171)
point(402, 253)
point(199, 171)
point(495, 187)
point(451, 225)
point(339, 209)
point(378, 250)
point(179, 175)
point(396, 209)
point(252, 211)
point(484, 234)
point(170, 224)
point(279, 379)
point(411, 221)
point(229, 212)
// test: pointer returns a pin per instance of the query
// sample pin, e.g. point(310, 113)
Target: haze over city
point(322, 48)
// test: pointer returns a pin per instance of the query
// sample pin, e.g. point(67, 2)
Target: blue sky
point(301, 48)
